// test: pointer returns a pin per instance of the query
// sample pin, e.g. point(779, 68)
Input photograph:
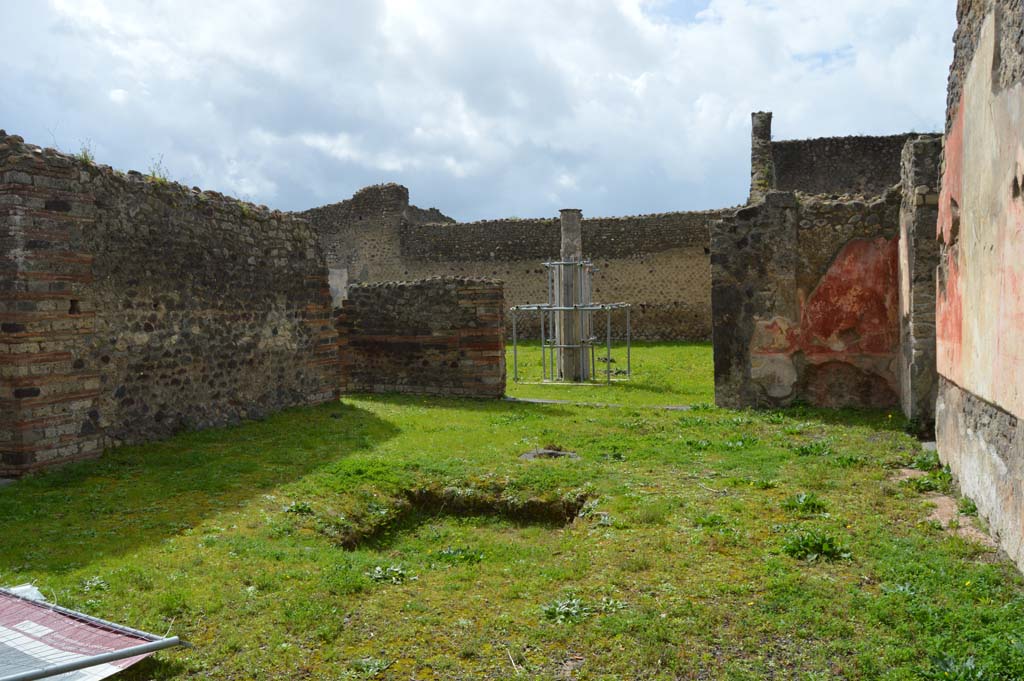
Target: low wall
point(132, 308)
point(659, 263)
point(805, 302)
point(439, 336)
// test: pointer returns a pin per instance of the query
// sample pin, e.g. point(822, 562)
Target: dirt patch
point(901, 474)
point(419, 504)
point(946, 511)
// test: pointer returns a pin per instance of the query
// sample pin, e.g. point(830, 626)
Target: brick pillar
point(48, 390)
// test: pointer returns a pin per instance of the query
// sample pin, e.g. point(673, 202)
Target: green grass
point(663, 374)
point(677, 566)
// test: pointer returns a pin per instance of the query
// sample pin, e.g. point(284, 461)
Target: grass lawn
point(663, 374)
point(401, 537)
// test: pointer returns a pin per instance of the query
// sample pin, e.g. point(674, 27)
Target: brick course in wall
point(132, 308)
point(438, 336)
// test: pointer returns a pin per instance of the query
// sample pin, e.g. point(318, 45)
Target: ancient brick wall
point(438, 336)
point(805, 301)
point(132, 308)
point(838, 165)
point(980, 278)
point(919, 256)
point(659, 263)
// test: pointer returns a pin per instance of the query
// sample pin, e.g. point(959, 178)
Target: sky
point(482, 108)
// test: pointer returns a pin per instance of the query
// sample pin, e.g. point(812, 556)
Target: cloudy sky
point(483, 108)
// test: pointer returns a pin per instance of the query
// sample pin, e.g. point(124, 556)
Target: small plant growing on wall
point(85, 154)
point(157, 170)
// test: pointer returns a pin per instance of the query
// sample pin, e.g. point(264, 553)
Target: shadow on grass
point(139, 495)
point(153, 668)
point(462, 404)
point(891, 420)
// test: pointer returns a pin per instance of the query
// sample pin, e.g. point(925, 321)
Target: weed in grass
point(706, 520)
point(369, 666)
point(901, 589)
point(689, 421)
point(926, 461)
point(967, 506)
point(816, 448)
point(299, 508)
point(765, 483)
point(740, 443)
point(726, 536)
point(571, 609)
point(567, 610)
point(699, 445)
point(589, 508)
point(95, 584)
point(797, 428)
point(813, 545)
point(607, 606)
point(461, 554)
point(805, 503)
point(936, 481)
point(848, 460)
point(951, 669)
point(392, 574)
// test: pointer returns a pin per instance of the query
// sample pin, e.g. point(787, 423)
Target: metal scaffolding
point(567, 337)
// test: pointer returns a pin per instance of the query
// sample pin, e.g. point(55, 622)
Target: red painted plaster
point(853, 311)
point(948, 301)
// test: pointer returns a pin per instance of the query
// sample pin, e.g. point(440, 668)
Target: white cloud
point(482, 109)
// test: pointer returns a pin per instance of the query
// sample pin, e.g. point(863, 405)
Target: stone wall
point(805, 301)
point(980, 278)
point(838, 165)
point(659, 263)
point(919, 256)
point(439, 336)
point(131, 308)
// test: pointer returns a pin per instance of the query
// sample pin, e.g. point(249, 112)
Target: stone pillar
point(762, 166)
point(572, 363)
point(572, 233)
point(918, 260)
